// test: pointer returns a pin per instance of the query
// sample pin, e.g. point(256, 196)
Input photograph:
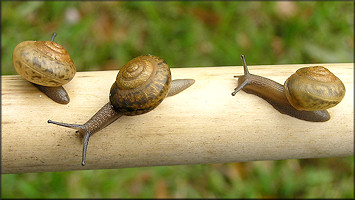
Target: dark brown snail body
point(47, 65)
point(305, 95)
point(140, 86)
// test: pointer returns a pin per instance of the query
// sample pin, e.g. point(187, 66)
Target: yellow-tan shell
point(141, 85)
point(43, 62)
point(314, 88)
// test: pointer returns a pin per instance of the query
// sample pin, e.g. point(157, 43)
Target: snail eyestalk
point(246, 71)
point(246, 75)
point(85, 147)
point(80, 129)
point(53, 36)
point(73, 126)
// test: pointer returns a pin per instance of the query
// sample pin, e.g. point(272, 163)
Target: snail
point(47, 65)
point(140, 86)
point(305, 95)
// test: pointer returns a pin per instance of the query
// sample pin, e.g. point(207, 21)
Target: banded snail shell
point(314, 88)
point(44, 63)
point(141, 85)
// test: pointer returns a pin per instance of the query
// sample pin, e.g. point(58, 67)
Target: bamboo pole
point(203, 124)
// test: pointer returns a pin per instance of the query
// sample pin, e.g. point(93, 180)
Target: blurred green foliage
point(306, 178)
point(105, 35)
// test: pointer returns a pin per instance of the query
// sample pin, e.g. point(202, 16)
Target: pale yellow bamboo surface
point(204, 124)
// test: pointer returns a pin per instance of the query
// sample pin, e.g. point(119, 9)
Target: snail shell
point(141, 85)
point(314, 88)
point(44, 63)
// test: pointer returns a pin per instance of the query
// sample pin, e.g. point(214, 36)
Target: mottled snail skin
point(130, 92)
point(47, 65)
point(275, 94)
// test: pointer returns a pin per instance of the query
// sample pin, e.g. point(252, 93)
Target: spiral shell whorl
point(314, 88)
point(136, 72)
point(43, 62)
point(54, 50)
point(141, 85)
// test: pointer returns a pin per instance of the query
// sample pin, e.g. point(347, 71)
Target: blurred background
point(106, 35)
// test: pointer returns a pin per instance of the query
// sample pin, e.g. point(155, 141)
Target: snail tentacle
point(85, 147)
point(53, 36)
point(241, 86)
point(104, 117)
point(73, 126)
point(82, 129)
point(246, 77)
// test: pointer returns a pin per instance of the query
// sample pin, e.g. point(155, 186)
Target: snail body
point(47, 65)
point(305, 95)
point(140, 86)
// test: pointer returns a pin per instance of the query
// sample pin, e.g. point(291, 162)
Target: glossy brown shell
point(314, 88)
point(141, 85)
point(43, 62)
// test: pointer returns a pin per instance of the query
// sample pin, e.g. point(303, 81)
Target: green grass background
point(105, 35)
